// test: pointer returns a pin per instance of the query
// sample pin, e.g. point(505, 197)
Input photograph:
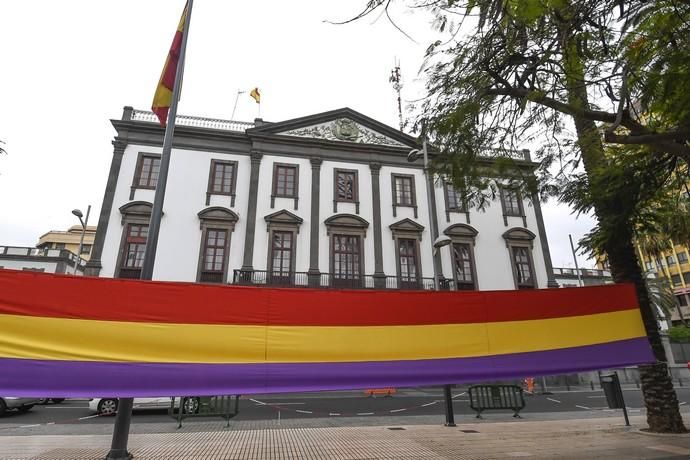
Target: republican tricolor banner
point(164, 91)
point(68, 336)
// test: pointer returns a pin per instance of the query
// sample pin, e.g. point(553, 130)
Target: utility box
point(612, 389)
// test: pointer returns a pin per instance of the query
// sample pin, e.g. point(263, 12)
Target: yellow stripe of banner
point(88, 340)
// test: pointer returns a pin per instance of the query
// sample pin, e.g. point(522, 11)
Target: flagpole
point(237, 98)
point(118, 448)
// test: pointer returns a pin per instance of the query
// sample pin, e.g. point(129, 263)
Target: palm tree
point(662, 298)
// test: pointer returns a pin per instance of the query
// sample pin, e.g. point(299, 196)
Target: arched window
point(519, 244)
point(407, 234)
point(462, 256)
point(283, 227)
point(347, 233)
point(135, 229)
point(216, 224)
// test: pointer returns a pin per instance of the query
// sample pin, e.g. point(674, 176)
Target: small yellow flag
point(256, 95)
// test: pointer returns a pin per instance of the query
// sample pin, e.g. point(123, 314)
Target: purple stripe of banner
point(46, 378)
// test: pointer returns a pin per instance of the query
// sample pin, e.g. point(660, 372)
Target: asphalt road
point(340, 404)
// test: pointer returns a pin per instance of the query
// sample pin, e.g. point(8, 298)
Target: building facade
point(40, 260)
point(69, 240)
point(577, 277)
point(327, 200)
point(673, 265)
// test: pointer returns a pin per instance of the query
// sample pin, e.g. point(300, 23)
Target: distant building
point(69, 240)
point(570, 277)
point(40, 260)
point(673, 265)
point(326, 200)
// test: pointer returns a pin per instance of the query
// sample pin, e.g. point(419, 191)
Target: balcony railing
point(24, 251)
point(198, 122)
point(592, 272)
point(335, 281)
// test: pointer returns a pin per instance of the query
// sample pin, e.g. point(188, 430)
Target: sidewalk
point(563, 439)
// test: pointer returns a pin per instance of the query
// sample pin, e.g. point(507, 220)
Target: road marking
point(30, 426)
point(257, 401)
point(90, 416)
point(609, 410)
point(50, 423)
point(429, 404)
point(682, 403)
point(583, 407)
point(670, 449)
point(365, 413)
point(284, 404)
point(304, 411)
point(333, 413)
point(461, 394)
point(397, 410)
point(596, 396)
point(554, 400)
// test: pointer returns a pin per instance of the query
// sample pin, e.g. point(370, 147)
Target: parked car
point(49, 400)
point(18, 404)
point(108, 406)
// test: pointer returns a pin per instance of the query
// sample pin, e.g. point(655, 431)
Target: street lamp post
point(436, 243)
point(83, 223)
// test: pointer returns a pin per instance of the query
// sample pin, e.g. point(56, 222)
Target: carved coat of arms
point(345, 129)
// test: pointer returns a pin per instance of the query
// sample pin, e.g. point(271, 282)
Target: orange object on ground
point(530, 384)
point(380, 391)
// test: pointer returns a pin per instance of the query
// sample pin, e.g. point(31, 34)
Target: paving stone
point(566, 439)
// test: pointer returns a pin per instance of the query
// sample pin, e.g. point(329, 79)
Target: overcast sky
point(68, 67)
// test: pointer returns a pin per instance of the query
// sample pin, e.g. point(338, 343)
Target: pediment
point(461, 231)
point(283, 217)
point(218, 213)
point(136, 208)
point(346, 221)
point(519, 234)
point(342, 125)
point(406, 225)
point(343, 129)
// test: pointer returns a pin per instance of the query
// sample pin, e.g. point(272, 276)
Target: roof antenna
point(395, 79)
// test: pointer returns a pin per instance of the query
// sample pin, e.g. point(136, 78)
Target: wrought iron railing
point(335, 281)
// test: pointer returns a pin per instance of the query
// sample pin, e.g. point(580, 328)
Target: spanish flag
point(164, 91)
point(256, 95)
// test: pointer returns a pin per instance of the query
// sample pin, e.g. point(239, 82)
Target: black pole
point(619, 390)
point(625, 414)
point(450, 417)
point(118, 446)
point(619, 393)
point(123, 418)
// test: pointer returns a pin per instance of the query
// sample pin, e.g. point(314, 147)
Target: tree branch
point(649, 138)
point(521, 93)
point(640, 134)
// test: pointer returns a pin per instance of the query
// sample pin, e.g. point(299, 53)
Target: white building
point(55, 260)
point(327, 200)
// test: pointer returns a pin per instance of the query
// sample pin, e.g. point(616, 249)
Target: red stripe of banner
point(64, 296)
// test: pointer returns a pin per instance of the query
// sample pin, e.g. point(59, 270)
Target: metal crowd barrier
point(225, 407)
